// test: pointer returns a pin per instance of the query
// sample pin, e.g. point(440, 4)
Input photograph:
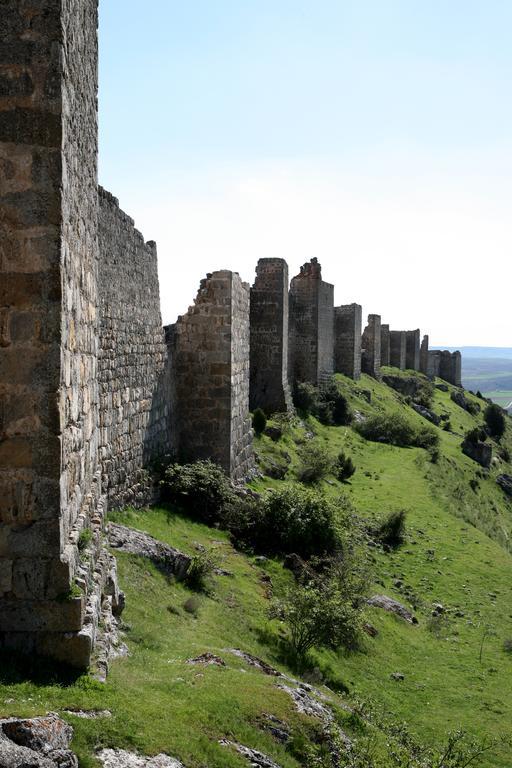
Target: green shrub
point(326, 403)
point(305, 397)
point(391, 531)
point(495, 420)
point(259, 421)
point(395, 429)
point(504, 453)
point(292, 520)
point(424, 394)
point(326, 611)
point(475, 435)
point(202, 489)
point(201, 570)
point(191, 605)
point(315, 462)
point(344, 467)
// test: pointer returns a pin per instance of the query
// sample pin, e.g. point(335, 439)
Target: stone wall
point(424, 355)
point(134, 399)
point(397, 349)
point(347, 340)
point(50, 483)
point(311, 353)
point(269, 387)
point(370, 355)
point(209, 348)
point(384, 345)
point(412, 350)
point(450, 367)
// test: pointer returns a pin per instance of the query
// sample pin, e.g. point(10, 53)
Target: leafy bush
point(391, 531)
point(475, 435)
point(495, 420)
point(326, 611)
point(305, 397)
point(315, 462)
point(504, 453)
point(395, 429)
point(292, 520)
point(344, 467)
point(201, 488)
point(326, 403)
point(191, 605)
point(201, 570)
point(424, 394)
point(259, 421)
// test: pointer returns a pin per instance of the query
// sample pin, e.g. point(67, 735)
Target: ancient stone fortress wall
point(134, 400)
point(384, 345)
point(347, 340)
point(50, 479)
point(397, 349)
point(311, 353)
point(269, 387)
point(412, 350)
point(424, 355)
point(209, 348)
point(370, 356)
point(450, 367)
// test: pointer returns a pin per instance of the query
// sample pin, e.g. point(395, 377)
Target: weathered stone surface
point(370, 347)
point(269, 388)
point(397, 349)
point(392, 606)
point(424, 356)
point(207, 659)
point(171, 560)
point(347, 340)
point(406, 385)
point(254, 661)
point(412, 350)
point(385, 349)
point(447, 365)
point(13, 756)
point(209, 348)
point(478, 451)
point(134, 418)
point(50, 477)
point(120, 758)
point(426, 413)
point(505, 483)
point(39, 742)
point(311, 349)
point(255, 758)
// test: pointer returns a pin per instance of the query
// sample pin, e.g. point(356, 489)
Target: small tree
point(391, 532)
point(259, 421)
point(344, 467)
point(316, 463)
point(495, 420)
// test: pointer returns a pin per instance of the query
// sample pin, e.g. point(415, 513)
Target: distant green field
point(502, 397)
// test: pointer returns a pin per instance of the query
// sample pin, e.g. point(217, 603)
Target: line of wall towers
point(92, 388)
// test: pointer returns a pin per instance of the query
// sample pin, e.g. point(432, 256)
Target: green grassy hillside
point(456, 672)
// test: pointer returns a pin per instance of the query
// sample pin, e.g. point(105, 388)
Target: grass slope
point(457, 553)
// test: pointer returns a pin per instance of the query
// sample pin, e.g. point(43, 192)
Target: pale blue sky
point(375, 135)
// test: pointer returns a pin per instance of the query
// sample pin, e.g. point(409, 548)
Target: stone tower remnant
point(412, 354)
point(397, 349)
point(209, 349)
point(311, 325)
point(424, 355)
point(347, 340)
point(384, 345)
point(450, 367)
point(370, 357)
point(269, 388)
point(50, 474)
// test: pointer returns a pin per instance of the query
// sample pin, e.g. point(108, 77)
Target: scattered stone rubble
point(39, 742)
point(120, 758)
point(392, 606)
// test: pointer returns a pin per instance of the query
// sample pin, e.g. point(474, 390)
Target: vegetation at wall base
point(402, 692)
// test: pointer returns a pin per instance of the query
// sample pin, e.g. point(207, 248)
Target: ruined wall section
point(269, 388)
point(370, 357)
point(412, 354)
point(347, 340)
point(397, 349)
point(424, 355)
point(209, 347)
point(49, 473)
point(311, 353)
point(384, 345)
point(134, 402)
point(450, 367)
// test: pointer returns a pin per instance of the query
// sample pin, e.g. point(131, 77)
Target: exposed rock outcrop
point(392, 606)
point(165, 557)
